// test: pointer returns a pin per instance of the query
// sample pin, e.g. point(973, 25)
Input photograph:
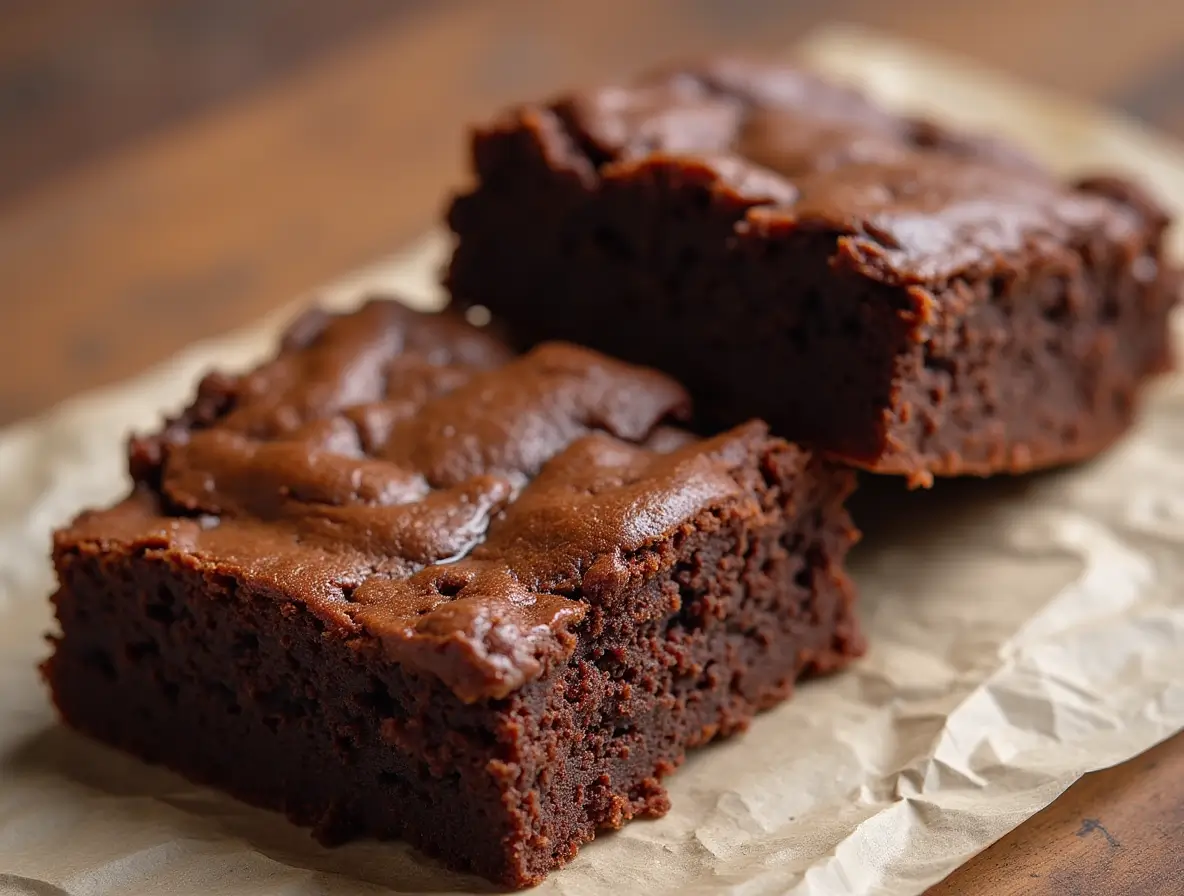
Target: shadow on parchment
point(888, 512)
point(189, 811)
point(15, 885)
point(932, 527)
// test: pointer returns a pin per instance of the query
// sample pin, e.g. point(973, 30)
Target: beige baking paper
point(1022, 633)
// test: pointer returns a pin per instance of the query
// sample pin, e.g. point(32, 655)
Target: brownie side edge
point(908, 372)
point(232, 686)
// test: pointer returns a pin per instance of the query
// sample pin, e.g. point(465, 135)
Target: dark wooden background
point(171, 170)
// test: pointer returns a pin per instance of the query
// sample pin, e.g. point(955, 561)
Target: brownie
point(398, 582)
point(910, 299)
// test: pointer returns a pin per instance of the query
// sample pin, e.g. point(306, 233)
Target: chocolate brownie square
point(398, 582)
point(912, 300)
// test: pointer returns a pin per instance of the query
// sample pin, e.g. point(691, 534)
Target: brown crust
point(968, 312)
point(492, 642)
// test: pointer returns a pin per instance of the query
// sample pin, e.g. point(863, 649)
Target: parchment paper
point(1023, 632)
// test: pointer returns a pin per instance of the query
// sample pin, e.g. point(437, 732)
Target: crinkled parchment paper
point(1023, 632)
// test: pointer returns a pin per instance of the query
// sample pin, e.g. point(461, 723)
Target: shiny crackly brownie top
point(911, 201)
point(402, 474)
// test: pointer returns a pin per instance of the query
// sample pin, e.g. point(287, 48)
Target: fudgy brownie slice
point(910, 299)
point(399, 583)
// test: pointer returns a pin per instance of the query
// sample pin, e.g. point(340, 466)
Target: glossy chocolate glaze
point(405, 479)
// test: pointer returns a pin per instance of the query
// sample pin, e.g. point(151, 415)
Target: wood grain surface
point(172, 170)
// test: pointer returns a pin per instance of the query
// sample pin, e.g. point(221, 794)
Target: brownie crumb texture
point(400, 582)
point(912, 300)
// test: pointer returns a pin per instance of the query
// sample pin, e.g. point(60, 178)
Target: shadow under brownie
point(913, 300)
point(400, 583)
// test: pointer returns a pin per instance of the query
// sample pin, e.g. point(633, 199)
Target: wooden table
point(171, 170)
